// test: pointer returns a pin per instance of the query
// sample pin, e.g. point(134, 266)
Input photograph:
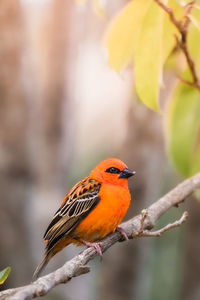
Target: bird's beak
point(126, 173)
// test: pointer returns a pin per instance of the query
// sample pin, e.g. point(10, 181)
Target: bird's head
point(113, 171)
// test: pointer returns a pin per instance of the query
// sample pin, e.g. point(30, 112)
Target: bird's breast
point(106, 216)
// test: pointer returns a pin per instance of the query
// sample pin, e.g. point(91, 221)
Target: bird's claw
point(123, 233)
point(97, 246)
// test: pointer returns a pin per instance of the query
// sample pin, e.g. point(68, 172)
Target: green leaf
point(197, 194)
point(157, 40)
point(183, 128)
point(4, 274)
point(122, 34)
point(149, 57)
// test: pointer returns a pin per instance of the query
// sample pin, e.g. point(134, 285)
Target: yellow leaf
point(169, 30)
point(194, 41)
point(148, 57)
point(195, 17)
point(122, 35)
point(4, 274)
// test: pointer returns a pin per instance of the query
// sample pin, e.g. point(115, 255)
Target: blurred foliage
point(4, 274)
point(143, 33)
point(184, 129)
point(167, 260)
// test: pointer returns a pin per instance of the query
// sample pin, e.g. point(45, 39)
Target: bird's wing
point(77, 204)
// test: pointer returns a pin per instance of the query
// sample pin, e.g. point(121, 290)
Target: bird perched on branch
point(92, 209)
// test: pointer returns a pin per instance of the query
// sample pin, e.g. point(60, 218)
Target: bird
point(92, 209)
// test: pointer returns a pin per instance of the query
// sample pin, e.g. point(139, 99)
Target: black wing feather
point(73, 210)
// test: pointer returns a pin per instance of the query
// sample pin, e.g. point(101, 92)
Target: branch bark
point(147, 233)
point(139, 224)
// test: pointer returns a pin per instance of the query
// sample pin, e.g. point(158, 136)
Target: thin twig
point(78, 265)
point(143, 217)
point(188, 82)
point(182, 26)
point(169, 11)
point(157, 233)
point(184, 47)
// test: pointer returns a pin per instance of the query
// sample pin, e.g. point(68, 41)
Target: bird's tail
point(44, 261)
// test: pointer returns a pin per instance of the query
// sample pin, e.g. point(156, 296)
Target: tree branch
point(181, 40)
point(147, 233)
point(138, 226)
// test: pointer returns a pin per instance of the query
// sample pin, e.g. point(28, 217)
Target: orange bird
point(92, 209)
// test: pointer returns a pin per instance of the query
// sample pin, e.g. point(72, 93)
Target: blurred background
point(62, 110)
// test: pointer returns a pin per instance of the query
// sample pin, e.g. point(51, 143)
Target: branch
point(182, 27)
point(138, 226)
point(147, 233)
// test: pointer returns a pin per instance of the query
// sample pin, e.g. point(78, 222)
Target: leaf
point(194, 40)
point(123, 32)
point(195, 164)
point(149, 57)
point(183, 126)
point(169, 30)
point(194, 18)
point(4, 274)
point(158, 31)
point(143, 32)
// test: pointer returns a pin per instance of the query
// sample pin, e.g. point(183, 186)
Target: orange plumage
point(93, 208)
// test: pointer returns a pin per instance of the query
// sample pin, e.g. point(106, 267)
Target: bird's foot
point(96, 246)
point(123, 232)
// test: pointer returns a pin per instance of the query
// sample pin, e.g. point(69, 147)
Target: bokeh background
point(62, 110)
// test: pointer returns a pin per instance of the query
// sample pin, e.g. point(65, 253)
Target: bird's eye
point(113, 170)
